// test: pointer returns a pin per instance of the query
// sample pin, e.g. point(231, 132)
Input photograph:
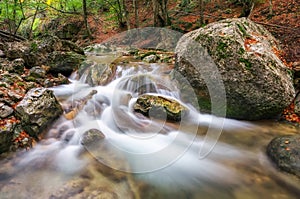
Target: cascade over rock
point(257, 83)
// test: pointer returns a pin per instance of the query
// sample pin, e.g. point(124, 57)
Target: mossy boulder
point(256, 82)
point(64, 62)
point(160, 107)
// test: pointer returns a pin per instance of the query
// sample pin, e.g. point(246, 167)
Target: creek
point(202, 156)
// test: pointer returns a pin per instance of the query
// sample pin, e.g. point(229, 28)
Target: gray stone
point(14, 96)
point(150, 59)
point(257, 84)
point(38, 109)
point(160, 107)
point(37, 72)
point(92, 136)
point(285, 153)
point(297, 104)
point(18, 65)
point(15, 50)
point(6, 134)
point(64, 62)
point(5, 110)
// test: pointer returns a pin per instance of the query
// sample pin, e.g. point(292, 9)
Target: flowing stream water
point(141, 157)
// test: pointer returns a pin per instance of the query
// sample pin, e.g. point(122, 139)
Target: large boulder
point(37, 110)
point(257, 84)
point(285, 153)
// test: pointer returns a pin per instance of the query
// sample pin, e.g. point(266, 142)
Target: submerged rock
point(285, 153)
point(257, 84)
point(37, 110)
point(92, 136)
point(160, 107)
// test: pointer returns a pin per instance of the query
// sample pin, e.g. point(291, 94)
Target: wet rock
point(92, 136)
point(71, 189)
point(297, 104)
point(285, 153)
point(37, 110)
point(64, 62)
point(5, 110)
point(6, 133)
point(97, 73)
point(257, 84)
point(99, 49)
point(102, 194)
point(150, 59)
point(160, 107)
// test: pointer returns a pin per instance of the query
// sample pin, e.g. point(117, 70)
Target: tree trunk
point(160, 13)
point(270, 8)
point(34, 17)
point(85, 19)
point(201, 10)
point(247, 5)
point(126, 15)
point(136, 13)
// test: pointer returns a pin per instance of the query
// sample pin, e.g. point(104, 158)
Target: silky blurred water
point(142, 157)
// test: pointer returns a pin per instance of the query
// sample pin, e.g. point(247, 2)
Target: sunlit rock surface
point(160, 107)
